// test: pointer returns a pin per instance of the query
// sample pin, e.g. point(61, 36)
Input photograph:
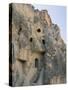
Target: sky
point(58, 16)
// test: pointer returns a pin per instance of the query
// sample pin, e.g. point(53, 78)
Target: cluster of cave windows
point(38, 30)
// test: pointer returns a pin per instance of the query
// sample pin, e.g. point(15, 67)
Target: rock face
point(37, 51)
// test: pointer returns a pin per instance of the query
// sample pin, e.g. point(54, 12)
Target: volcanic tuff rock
point(36, 47)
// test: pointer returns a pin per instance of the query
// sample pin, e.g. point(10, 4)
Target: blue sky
point(58, 16)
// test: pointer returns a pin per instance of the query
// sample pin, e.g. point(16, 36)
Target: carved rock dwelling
point(37, 51)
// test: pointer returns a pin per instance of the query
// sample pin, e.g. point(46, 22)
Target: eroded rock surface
point(36, 47)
